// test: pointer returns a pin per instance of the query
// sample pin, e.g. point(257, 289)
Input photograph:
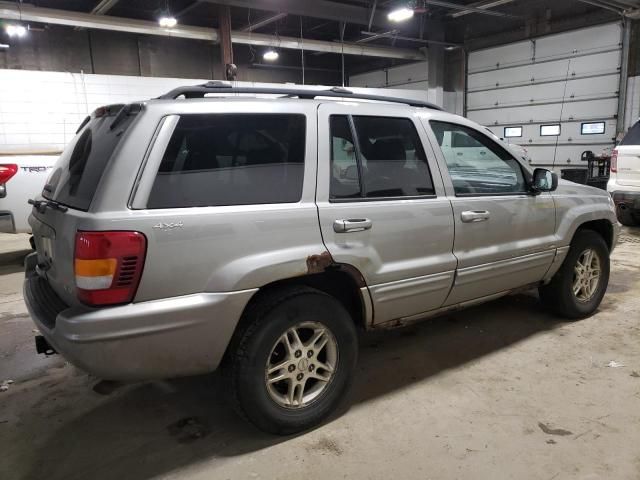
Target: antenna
point(564, 94)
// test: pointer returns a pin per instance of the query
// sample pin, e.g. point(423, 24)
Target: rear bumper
point(630, 200)
point(166, 338)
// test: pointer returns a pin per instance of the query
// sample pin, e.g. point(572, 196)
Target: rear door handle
point(352, 225)
point(473, 216)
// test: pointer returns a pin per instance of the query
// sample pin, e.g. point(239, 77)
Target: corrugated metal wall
point(566, 79)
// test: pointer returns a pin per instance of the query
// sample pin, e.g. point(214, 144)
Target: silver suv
point(190, 232)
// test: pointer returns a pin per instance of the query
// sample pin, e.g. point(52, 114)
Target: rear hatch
point(628, 163)
point(69, 191)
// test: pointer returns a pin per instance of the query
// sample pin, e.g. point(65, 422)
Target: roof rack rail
point(216, 86)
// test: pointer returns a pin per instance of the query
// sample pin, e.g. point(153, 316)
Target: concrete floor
point(498, 391)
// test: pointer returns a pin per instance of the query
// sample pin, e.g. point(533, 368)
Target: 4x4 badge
point(168, 226)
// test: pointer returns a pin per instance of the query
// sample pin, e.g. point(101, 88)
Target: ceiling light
point(3, 46)
point(400, 14)
point(270, 55)
point(15, 30)
point(168, 22)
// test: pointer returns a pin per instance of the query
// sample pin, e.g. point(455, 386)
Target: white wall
point(40, 111)
point(413, 76)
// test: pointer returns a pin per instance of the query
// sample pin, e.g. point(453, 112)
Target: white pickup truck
point(21, 177)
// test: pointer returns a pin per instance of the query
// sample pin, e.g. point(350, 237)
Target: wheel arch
point(602, 227)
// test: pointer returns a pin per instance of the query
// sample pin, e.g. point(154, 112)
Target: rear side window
point(232, 159)
point(79, 169)
point(387, 161)
point(633, 136)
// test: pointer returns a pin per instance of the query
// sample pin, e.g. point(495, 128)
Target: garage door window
point(233, 159)
point(477, 165)
point(377, 158)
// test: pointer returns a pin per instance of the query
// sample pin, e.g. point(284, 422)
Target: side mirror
point(544, 181)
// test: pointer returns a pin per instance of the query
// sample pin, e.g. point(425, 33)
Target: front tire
point(578, 287)
point(293, 361)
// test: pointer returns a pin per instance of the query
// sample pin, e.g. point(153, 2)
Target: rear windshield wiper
point(42, 204)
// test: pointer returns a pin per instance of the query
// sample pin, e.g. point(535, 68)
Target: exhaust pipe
point(42, 346)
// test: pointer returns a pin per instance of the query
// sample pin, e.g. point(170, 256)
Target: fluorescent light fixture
point(511, 132)
point(550, 130)
point(16, 30)
point(3, 46)
point(270, 55)
point(592, 128)
point(168, 22)
point(400, 14)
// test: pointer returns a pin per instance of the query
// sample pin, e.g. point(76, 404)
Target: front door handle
point(473, 216)
point(352, 225)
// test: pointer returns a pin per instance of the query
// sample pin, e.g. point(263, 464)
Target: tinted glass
point(75, 178)
point(345, 181)
point(392, 160)
point(235, 159)
point(477, 164)
point(633, 136)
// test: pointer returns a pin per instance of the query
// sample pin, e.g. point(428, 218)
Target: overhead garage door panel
point(565, 155)
point(565, 79)
point(585, 110)
point(580, 41)
point(586, 88)
point(597, 64)
point(570, 131)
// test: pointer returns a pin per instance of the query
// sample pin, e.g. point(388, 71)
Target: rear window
point(232, 159)
point(75, 177)
point(633, 136)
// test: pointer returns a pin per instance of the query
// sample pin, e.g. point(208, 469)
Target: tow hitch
point(42, 346)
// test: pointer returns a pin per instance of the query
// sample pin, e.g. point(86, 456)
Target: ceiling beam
point(263, 22)
point(457, 6)
point(328, 10)
point(484, 5)
point(619, 11)
point(29, 13)
point(187, 9)
point(103, 7)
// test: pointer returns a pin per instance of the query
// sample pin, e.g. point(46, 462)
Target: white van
point(624, 182)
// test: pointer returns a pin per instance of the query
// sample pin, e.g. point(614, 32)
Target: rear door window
point(232, 159)
point(75, 177)
point(385, 161)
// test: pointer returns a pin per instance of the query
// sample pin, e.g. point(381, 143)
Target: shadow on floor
point(150, 429)
point(12, 262)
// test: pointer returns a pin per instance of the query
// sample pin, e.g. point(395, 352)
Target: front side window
point(232, 159)
point(477, 165)
point(385, 161)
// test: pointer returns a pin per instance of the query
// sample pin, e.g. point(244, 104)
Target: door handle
point(352, 225)
point(473, 216)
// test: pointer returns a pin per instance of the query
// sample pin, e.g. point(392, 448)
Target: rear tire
point(306, 339)
point(574, 292)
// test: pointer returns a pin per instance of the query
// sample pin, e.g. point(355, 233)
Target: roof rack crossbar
point(200, 91)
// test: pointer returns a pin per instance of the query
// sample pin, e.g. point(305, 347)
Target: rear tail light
point(614, 161)
point(108, 266)
point(7, 170)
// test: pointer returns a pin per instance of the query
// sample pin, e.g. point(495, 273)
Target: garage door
point(555, 95)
